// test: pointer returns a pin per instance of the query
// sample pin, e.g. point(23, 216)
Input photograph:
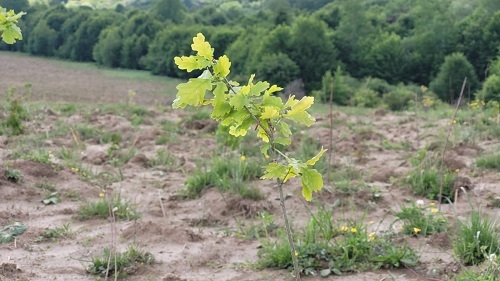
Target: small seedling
point(13, 175)
point(122, 209)
point(112, 263)
point(52, 199)
point(54, 233)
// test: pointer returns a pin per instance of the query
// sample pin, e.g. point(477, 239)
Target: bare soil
point(196, 239)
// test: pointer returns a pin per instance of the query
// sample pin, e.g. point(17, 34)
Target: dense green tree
point(312, 50)
point(87, 35)
point(68, 30)
point(387, 58)
point(172, 10)
point(16, 5)
point(353, 37)
point(107, 51)
point(134, 51)
point(277, 69)
point(42, 40)
point(168, 44)
point(330, 14)
point(449, 80)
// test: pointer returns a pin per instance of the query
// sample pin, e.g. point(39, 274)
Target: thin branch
point(446, 144)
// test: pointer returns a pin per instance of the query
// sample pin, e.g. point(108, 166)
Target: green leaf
point(222, 67)
point(270, 112)
point(325, 272)
point(275, 171)
point(311, 181)
point(261, 133)
point(273, 89)
point(265, 148)
point(202, 47)
point(315, 159)
point(283, 141)
point(303, 118)
point(11, 33)
point(268, 100)
point(301, 106)
point(221, 107)
point(239, 101)
point(256, 89)
point(192, 92)
point(284, 129)
point(191, 63)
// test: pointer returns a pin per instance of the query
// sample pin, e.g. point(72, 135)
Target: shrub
point(398, 98)
point(365, 97)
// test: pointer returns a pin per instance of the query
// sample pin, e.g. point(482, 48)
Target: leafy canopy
point(243, 107)
point(9, 31)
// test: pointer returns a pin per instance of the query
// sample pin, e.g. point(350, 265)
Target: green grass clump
point(112, 263)
point(477, 238)
point(122, 209)
point(226, 174)
point(425, 179)
point(490, 273)
point(491, 161)
point(325, 248)
point(13, 175)
point(53, 234)
point(421, 220)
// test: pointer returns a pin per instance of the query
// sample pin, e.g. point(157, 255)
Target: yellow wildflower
point(371, 222)
point(416, 230)
point(242, 158)
point(296, 254)
point(353, 230)
point(74, 170)
point(343, 228)
point(432, 204)
point(371, 236)
point(266, 156)
point(434, 210)
point(457, 170)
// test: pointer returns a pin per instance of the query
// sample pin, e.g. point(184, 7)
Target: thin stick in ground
point(440, 197)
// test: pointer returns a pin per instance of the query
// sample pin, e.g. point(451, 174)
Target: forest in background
point(373, 51)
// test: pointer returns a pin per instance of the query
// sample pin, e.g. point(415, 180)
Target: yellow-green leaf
point(237, 132)
point(283, 141)
point(311, 181)
point(315, 159)
point(221, 107)
point(265, 148)
point(270, 112)
point(192, 92)
point(262, 134)
point(273, 89)
point(202, 47)
point(268, 100)
point(222, 67)
point(188, 63)
point(302, 118)
point(274, 171)
point(257, 88)
point(239, 101)
point(301, 106)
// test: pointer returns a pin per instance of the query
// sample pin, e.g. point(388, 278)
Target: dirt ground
point(195, 239)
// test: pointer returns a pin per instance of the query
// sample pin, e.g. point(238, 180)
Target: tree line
point(365, 47)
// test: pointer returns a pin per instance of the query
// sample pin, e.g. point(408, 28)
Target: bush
point(365, 97)
point(491, 88)
point(398, 98)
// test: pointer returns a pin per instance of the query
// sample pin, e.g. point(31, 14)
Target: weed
point(425, 179)
point(122, 209)
point(13, 175)
point(52, 199)
point(490, 272)
point(403, 145)
point(326, 249)
point(68, 109)
point(421, 220)
point(226, 175)
point(476, 238)
point(17, 112)
point(46, 186)
point(163, 159)
point(119, 264)
point(54, 233)
point(491, 161)
point(264, 229)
